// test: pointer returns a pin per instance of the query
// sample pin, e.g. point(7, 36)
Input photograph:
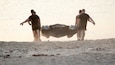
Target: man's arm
point(29, 23)
point(91, 20)
point(77, 22)
point(27, 20)
point(39, 22)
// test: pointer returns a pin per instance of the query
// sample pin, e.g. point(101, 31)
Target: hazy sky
point(13, 12)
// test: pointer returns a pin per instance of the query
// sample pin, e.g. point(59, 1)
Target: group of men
point(81, 23)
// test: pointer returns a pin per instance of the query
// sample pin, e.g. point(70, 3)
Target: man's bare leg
point(78, 35)
point(36, 34)
point(82, 35)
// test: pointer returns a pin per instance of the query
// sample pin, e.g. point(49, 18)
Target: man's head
point(80, 11)
point(33, 12)
point(83, 10)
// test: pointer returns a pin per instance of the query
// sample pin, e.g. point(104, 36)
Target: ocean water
point(13, 12)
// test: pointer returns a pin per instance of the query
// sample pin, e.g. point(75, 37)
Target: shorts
point(36, 28)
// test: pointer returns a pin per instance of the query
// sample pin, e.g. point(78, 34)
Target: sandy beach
point(88, 52)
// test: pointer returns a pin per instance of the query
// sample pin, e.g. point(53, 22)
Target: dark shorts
point(36, 28)
point(81, 28)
